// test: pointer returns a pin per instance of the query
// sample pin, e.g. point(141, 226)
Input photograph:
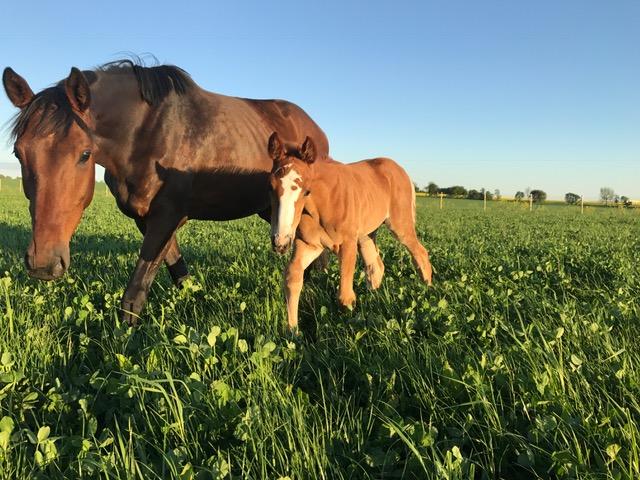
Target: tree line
point(458, 191)
point(607, 194)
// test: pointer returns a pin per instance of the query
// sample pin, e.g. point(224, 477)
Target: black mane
point(57, 116)
point(155, 83)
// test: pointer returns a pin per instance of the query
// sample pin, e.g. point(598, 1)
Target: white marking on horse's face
point(283, 230)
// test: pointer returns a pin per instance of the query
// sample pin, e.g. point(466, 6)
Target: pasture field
point(522, 361)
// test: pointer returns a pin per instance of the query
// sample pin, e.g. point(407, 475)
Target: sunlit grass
point(520, 362)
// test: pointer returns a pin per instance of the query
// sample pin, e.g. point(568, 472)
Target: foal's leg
point(402, 224)
point(347, 254)
point(372, 261)
point(173, 258)
point(303, 255)
point(159, 230)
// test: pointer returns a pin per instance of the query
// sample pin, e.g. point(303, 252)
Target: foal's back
point(363, 194)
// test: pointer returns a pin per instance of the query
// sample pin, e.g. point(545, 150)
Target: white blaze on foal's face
point(288, 191)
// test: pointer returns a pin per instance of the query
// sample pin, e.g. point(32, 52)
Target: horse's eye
point(84, 156)
point(307, 193)
point(16, 154)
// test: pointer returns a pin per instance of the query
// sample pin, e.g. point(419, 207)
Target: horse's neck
point(117, 112)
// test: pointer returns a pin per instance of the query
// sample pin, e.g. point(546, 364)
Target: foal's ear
point(17, 88)
point(77, 90)
point(308, 150)
point(276, 148)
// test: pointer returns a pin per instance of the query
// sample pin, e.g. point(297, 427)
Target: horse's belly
point(227, 196)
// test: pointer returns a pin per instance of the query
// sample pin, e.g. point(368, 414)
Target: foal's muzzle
point(281, 243)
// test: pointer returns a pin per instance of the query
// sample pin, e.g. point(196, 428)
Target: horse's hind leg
point(374, 267)
point(401, 222)
point(175, 262)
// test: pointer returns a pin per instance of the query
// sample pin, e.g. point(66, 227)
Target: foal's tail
point(413, 200)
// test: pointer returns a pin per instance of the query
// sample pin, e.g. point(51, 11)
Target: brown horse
point(334, 206)
point(171, 151)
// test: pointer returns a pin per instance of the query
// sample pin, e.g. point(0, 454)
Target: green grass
point(521, 361)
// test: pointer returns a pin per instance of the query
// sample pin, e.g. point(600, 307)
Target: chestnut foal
point(339, 207)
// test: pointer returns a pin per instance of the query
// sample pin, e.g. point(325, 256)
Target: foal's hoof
point(294, 331)
point(374, 277)
point(348, 301)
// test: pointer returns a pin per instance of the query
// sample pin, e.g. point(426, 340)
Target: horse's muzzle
point(56, 267)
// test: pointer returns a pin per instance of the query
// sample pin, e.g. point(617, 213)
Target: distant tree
point(432, 189)
point(626, 202)
point(606, 194)
point(538, 196)
point(458, 191)
point(474, 194)
point(489, 195)
point(416, 187)
point(496, 194)
point(527, 192)
point(519, 196)
point(455, 191)
point(572, 198)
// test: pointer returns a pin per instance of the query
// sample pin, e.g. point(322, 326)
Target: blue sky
point(496, 94)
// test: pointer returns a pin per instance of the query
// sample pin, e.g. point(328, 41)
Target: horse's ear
point(17, 88)
point(276, 148)
point(77, 90)
point(308, 150)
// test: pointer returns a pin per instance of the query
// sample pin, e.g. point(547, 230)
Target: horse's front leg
point(173, 258)
point(158, 236)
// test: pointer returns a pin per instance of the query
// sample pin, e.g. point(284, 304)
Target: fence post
point(582, 204)
point(530, 203)
point(485, 201)
point(441, 197)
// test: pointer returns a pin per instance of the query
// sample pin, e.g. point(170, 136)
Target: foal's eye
point(84, 156)
point(16, 154)
point(307, 193)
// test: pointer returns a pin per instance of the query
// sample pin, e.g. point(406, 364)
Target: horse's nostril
point(58, 269)
point(27, 261)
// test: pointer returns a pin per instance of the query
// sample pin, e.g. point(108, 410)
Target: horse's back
point(291, 122)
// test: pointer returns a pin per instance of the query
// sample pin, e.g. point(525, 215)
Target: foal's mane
point(154, 83)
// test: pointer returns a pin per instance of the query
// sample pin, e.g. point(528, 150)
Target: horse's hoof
point(128, 317)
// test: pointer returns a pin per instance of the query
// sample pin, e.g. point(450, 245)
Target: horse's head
point(54, 144)
point(290, 179)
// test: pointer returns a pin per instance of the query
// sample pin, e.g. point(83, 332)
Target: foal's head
point(291, 178)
